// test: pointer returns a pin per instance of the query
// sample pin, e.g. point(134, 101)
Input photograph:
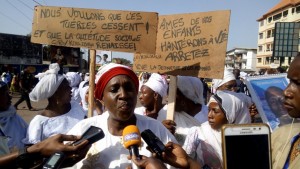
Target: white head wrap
point(48, 84)
point(235, 105)
point(243, 75)
point(73, 78)
point(228, 76)
point(158, 84)
point(83, 92)
point(191, 87)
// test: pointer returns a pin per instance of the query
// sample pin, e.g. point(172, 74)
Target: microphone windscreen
point(131, 136)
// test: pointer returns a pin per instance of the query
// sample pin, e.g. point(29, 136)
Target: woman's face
point(231, 86)
point(216, 117)
point(63, 92)
point(147, 96)
point(5, 99)
point(119, 97)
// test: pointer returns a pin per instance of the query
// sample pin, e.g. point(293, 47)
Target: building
point(241, 58)
point(284, 11)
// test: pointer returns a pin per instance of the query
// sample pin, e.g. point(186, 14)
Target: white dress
point(42, 127)
point(142, 110)
point(109, 151)
point(204, 145)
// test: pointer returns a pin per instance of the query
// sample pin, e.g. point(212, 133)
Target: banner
point(189, 44)
point(124, 31)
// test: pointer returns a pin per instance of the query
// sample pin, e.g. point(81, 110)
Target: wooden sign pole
point(92, 82)
point(172, 97)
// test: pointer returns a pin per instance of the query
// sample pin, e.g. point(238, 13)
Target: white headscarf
point(48, 84)
point(158, 84)
point(191, 87)
point(228, 76)
point(73, 78)
point(235, 105)
point(83, 92)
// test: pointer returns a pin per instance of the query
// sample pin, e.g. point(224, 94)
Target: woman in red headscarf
point(117, 89)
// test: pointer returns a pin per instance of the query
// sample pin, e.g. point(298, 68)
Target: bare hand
point(148, 163)
point(170, 125)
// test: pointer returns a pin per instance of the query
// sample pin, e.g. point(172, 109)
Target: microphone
point(132, 140)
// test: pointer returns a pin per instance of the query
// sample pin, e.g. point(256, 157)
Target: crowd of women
point(196, 126)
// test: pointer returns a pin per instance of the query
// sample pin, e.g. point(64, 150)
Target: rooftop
point(281, 5)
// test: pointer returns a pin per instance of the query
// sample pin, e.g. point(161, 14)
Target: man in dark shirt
point(25, 87)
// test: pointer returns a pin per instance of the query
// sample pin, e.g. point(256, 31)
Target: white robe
point(109, 151)
point(204, 145)
point(42, 127)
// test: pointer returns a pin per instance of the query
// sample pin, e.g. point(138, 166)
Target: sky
point(16, 15)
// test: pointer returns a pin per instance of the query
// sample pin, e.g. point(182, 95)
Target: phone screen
point(248, 151)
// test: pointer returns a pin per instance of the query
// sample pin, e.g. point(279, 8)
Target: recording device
point(54, 161)
point(132, 140)
point(246, 146)
point(92, 134)
point(153, 142)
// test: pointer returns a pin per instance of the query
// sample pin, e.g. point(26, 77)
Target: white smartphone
point(246, 146)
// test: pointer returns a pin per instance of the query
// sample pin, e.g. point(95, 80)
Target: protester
point(117, 88)
point(84, 94)
point(229, 83)
point(12, 126)
point(152, 95)
point(189, 108)
point(45, 149)
point(74, 79)
point(61, 114)
point(25, 85)
point(14, 87)
point(285, 140)
point(239, 83)
point(203, 143)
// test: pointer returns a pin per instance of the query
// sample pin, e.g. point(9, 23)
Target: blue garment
point(13, 127)
point(287, 162)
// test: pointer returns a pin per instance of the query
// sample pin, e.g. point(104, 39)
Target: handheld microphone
point(132, 140)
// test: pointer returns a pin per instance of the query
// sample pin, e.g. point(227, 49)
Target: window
point(285, 13)
point(269, 47)
point(293, 10)
point(261, 35)
point(277, 17)
point(298, 9)
point(260, 48)
point(258, 60)
point(269, 33)
point(262, 23)
point(270, 19)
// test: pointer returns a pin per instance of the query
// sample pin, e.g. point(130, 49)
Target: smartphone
point(54, 161)
point(153, 142)
point(246, 146)
point(92, 134)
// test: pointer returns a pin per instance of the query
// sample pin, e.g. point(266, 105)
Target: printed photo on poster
point(267, 94)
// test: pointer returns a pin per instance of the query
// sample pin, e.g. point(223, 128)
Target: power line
point(19, 10)
point(45, 2)
point(14, 21)
point(25, 4)
point(37, 2)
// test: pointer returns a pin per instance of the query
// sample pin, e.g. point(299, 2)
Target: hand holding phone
point(153, 142)
point(92, 134)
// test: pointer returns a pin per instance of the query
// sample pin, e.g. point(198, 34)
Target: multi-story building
point(284, 11)
point(241, 58)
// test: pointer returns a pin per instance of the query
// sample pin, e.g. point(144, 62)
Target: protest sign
point(189, 44)
point(125, 31)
